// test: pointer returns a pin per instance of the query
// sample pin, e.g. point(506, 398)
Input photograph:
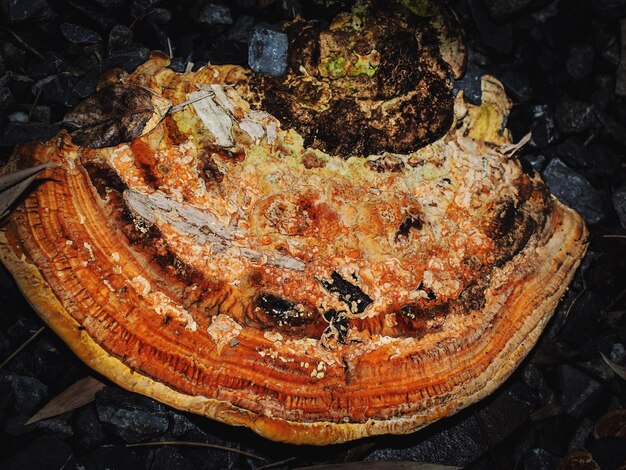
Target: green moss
point(422, 8)
point(335, 66)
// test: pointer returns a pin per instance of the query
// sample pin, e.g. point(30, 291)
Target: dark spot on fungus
point(356, 300)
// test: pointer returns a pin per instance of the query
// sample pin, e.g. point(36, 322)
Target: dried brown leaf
point(383, 465)
point(76, 395)
point(13, 185)
point(619, 370)
point(115, 114)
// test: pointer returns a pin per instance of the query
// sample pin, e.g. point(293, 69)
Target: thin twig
point(614, 236)
point(35, 101)
point(24, 43)
point(169, 48)
point(569, 309)
point(19, 350)
point(277, 464)
point(198, 444)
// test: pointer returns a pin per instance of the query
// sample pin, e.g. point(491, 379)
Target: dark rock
point(581, 435)
point(58, 427)
point(502, 415)
point(127, 59)
point(3, 68)
point(609, 48)
point(57, 89)
point(132, 417)
point(43, 453)
point(87, 428)
point(609, 452)
point(541, 459)
point(619, 204)
point(110, 3)
point(470, 82)
point(292, 8)
point(22, 10)
point(241, 29)
point(609, 8)
point(102, 18)
point(458, 444)
point(6, 99)
point(52, 64)
point(580, 61)
point(574, 152)
point(535, 379)
point(500, 9)
point(120, 37)
point(141, 8)
point(267, 52)
point(544, 132)
point(39, 113)
point(213, 14)
point(574, 116)
point(613, 126)
point(28, 393)
point(574, 190)
point(110, 457)
point(86, 86)
point(160, 16)
point(14, 56)
point(579, 391)
point(15, 133)
point(517, 84)
point(603, 95)
point(227, 52)
point(536, 162)
point(23, 328)
point(182, 428)
point(80, 35)
point(618, 353)
point(178, 64)
point(168, 458)
point(496, 36)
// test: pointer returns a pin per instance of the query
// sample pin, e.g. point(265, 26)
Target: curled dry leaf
point(13, 185)
point(76, 395)
point(115, 114)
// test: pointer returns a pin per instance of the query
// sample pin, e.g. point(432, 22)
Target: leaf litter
point(118, 113)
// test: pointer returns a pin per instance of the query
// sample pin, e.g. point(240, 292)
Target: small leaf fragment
point(115, 114)
point(76, 395)
point(13, 185)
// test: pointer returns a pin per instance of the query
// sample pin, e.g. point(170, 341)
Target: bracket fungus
point(319, 257)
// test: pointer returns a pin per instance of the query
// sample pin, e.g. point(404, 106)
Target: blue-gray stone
point(579, 391)
point(580, 61)
point(574, 116)
point(21, 10)
point(27, 393)
point(267, 51)
point(574, 190)
point(77, 34)
point(213, 14)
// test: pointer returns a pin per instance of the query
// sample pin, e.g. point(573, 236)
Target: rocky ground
point(563, 62)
